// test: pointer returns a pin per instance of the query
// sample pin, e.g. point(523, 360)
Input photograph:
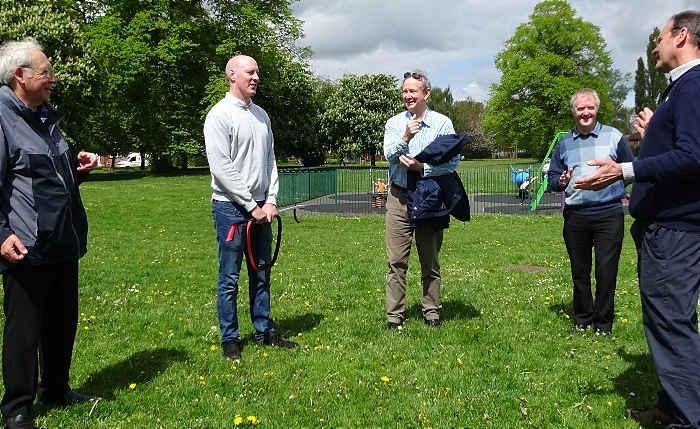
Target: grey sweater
point(240, 150)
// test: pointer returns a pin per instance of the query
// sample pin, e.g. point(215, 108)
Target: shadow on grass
point(289, 328)
point(140, 368)
point(451, 310)
point(638, 384)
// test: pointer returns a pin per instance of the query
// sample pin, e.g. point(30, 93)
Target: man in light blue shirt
point(405, 135)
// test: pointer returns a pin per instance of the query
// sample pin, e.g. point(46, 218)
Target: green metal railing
point(351, 189)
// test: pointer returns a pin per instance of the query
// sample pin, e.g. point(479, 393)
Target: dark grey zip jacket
point(39, 197)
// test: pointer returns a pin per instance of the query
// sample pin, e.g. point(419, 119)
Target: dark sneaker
point(393, 325)
point(433, 323)
point(649, 415)
point(274, 339)
point(577, 328)
point(232, 349)
point(69, 398)
point(601, 333)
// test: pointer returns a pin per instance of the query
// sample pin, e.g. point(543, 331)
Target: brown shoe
point(649, 415)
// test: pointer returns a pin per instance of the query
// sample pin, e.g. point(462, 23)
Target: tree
point(547, 60)
point(442, 101)
point(66, 46)
point(267, 31)
point(469, 115)
point(619, 89)
point(649, 83)
point(154, 63)
point(355, 114)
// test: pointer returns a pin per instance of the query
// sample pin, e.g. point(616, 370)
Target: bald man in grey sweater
point(240, 150)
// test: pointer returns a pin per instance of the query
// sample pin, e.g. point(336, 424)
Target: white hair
point(15, 54)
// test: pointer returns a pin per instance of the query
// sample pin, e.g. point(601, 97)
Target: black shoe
point(649, 415)
point(433, 323)
point(232, 349)
point(577, 328)
point(71, 397)
point(393, 325)
point(274, 339)
point(20, 421)
point(601, 333)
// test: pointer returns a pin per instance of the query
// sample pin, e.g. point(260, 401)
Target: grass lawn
point(148, 340)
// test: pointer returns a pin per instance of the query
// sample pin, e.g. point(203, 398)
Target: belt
point(398, 188)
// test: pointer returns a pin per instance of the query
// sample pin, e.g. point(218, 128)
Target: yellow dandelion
point(213, 348)
point(385, 379)
point(459, 361)
point(132, 386)
point(237, 420)
point(253, 420)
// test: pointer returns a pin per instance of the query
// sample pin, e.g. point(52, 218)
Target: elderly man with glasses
point(43, 234)
point(406, 135)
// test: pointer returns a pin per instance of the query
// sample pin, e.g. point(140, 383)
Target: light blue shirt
point(432, 126)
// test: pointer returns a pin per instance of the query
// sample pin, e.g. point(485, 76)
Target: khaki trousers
point(399, 235)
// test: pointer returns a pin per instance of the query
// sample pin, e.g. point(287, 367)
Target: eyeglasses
point(660, 38)
point(414, 75)
point(48, 72)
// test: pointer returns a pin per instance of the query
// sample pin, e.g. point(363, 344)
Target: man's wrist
point(627, 172)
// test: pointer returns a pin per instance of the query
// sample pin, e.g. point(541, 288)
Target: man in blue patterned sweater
point(591, 219)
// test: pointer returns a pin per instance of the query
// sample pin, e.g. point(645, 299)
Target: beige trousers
point(399, 235)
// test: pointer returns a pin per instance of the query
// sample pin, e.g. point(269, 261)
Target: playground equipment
point(543, 186)
point(522, 179)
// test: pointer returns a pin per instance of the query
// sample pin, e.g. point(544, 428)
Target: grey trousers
point(399, 235)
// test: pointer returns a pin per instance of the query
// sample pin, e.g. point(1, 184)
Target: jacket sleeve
point(448, 167)
point(5, 230)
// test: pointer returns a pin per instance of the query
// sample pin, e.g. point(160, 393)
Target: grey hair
point(425, 82)
point(689, 19)
point(588, 92)
point(15, 54)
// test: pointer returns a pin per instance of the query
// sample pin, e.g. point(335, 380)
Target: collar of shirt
point(678, 71)
point(237, 101)
point(595, 132)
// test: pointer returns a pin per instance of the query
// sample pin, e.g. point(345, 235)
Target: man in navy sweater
point(665, 203)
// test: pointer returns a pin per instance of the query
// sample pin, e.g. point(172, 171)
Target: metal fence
point(353, 189)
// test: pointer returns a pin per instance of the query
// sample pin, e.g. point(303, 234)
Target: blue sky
point(455, 41)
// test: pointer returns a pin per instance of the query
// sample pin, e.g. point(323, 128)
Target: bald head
point(242, 73)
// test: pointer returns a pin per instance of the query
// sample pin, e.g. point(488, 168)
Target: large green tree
point(543, 64)
point(355, 114)
point(153, 56)
point(649, 83)
point(267, 31)
point(65, 44)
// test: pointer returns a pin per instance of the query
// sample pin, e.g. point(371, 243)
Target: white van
point(131, 160)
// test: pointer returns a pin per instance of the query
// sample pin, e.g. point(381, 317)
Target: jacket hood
point(12, 101)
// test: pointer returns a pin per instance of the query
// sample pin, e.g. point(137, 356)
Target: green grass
point(148, 340)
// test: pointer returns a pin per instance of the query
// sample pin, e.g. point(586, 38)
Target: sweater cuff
point(627, 173)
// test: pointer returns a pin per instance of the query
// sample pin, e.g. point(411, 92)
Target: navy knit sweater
point(667, 170)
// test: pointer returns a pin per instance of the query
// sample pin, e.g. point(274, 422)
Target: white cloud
point(455, 41)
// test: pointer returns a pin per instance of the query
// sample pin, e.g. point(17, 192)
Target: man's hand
point(412, 128)
point(608, 173)
point(565, 177)
point(642, 120)
point(259, 215)
point(410, 163)
point(12, 249)
point(87, 161)
point(270, 210)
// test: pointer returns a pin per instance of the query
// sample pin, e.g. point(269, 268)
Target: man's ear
point(427, 93)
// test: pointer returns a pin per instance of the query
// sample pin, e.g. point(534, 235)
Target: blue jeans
point(230, 258)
